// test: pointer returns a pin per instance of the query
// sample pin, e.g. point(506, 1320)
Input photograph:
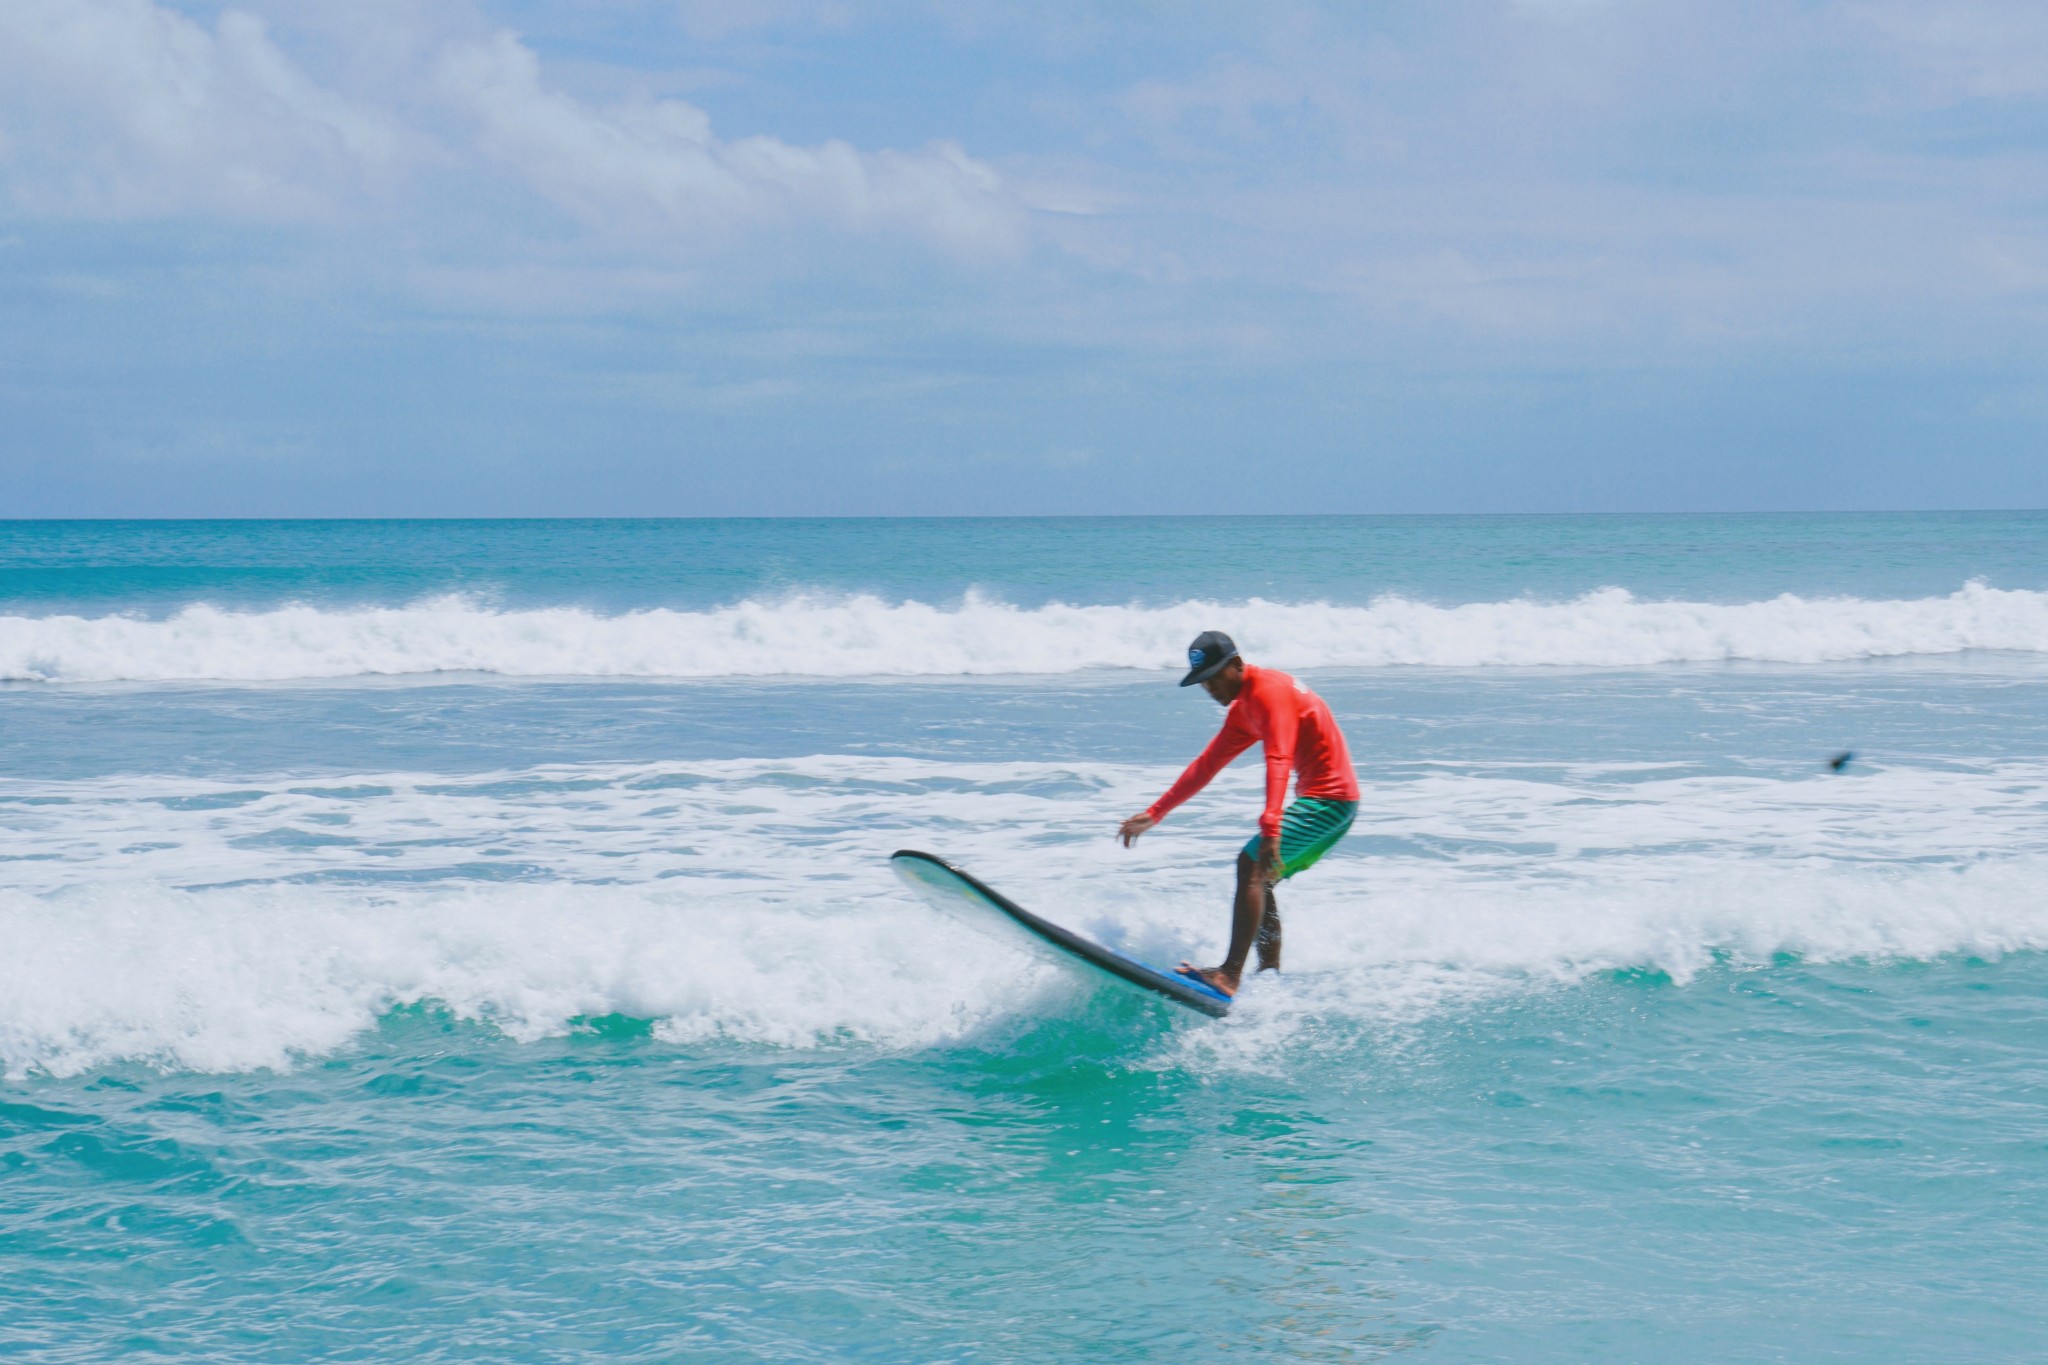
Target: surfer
point(1300, 736)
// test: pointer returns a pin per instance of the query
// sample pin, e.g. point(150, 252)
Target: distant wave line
point(820, 635)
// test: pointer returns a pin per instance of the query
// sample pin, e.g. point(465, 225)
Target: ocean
point(474, 941)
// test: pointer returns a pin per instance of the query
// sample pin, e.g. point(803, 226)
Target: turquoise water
point(145, 566)
point(474, 941)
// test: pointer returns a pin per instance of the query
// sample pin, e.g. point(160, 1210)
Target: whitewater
point(864, 635)
point(196, 924)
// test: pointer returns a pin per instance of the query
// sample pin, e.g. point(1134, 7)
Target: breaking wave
point(822, 636)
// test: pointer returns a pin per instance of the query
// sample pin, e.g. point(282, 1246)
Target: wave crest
point(856, 636)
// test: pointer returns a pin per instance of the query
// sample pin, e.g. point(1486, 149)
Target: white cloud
point(1638, 174)
point(1447, 284)
point(124, 108)
point(1230, 99)
point(1967, 49)
point(128, 108)
point(656, 165)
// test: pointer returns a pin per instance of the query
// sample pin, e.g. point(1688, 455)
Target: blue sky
point(803, 256)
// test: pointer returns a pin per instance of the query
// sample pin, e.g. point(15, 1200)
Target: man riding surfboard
point(1300, 736)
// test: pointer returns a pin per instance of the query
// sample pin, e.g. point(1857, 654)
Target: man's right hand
point(1130, 829)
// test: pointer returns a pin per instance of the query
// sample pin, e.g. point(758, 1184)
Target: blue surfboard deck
point(954, 891)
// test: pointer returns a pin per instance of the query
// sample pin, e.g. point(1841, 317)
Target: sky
point(809, 257)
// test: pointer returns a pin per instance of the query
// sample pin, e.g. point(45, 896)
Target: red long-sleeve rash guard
point(1299, 733)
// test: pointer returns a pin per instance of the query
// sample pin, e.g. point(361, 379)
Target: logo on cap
point(1195, 657)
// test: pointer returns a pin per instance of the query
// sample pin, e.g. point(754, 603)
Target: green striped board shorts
point(1308, 829)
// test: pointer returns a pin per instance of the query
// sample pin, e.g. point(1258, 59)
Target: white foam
point(243, 978)
point(866, 636)
point(221, 927)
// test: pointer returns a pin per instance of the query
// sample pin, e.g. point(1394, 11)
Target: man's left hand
point(1130, 829)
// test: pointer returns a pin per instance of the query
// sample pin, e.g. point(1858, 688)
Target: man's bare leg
point(1246, 914)
point(1269, 935)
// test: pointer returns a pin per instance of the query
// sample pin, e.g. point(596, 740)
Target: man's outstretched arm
point(1228, 744)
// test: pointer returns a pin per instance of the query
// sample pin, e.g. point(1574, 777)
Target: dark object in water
point(1840, 760)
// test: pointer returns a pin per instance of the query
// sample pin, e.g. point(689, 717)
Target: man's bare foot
point(1216, 978)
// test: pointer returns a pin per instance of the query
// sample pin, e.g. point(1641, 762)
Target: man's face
point(1223, 686)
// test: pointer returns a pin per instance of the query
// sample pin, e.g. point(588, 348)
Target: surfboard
point(963, 896)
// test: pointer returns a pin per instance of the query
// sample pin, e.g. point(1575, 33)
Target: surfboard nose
point(962, 896)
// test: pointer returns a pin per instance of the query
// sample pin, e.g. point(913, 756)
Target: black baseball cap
point(1206, 656)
